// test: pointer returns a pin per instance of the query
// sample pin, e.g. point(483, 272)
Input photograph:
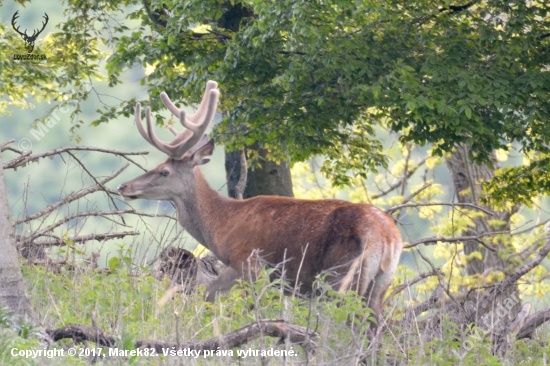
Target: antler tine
point(153, 139)
point(184, 145)
point(199, 129)
point(139, 124)
point(210, 85)
point(173, 130)
point(194, 132)
point(202, 107)
point(165, 148)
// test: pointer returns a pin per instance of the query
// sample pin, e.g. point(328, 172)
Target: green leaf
point(113, 263)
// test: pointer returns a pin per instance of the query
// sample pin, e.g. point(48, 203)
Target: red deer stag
point(358, 244)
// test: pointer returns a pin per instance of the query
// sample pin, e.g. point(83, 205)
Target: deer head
point(187, 150)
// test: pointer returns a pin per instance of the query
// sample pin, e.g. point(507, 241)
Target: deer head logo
point(29, 40)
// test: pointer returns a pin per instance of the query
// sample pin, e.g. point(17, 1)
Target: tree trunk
point(466, 176)
point(12, 288)
point(272, 179)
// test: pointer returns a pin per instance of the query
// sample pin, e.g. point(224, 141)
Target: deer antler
point(194, 131)
point(13, 19)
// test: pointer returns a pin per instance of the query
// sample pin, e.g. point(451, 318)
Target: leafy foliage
point(306, 78)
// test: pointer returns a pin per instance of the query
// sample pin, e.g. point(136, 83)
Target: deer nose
point(121, 187)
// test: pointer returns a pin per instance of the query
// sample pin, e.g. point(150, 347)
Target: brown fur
point(357, 244)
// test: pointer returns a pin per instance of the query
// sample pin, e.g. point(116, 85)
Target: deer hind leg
point(369, 280)
point(375, 296)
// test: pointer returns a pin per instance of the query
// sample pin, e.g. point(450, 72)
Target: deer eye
point(164, 173)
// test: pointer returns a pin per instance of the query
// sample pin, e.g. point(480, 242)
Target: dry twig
point(85, 238)
point(402, 287)
point(526, 268)
point(438, 238)
point(27, 157)
point(404, 205)
point(70, 198)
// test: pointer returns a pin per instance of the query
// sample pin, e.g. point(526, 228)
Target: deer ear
point(199, 156)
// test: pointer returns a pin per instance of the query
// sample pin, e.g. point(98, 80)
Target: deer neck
point(201, 211)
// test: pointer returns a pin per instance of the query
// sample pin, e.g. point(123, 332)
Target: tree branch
point(400, 288)
point(43, 232)
point(533, 322)
point(401, 205)
point(31, 238)
point(511, 279)
point(70, 198)
point(96, 181)
point(153, 17)
point(457, 8)
point(4, 147)
point(400, 181)
point(27, 157)
point(85, 238)
point(441, 283)
point(16, 162)
point(272, 328)
point(435, 239)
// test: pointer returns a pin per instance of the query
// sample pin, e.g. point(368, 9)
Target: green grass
point(126, 306)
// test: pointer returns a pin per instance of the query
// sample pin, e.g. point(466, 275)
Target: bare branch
point(511, 279)
point(401, 205)
point(530, 228)
point(533, 322)
point(402, 287)
point(71, 197)
point(437, 238)
point(400, 181)
point(19, 161)
point(441, 283)
point(85, 238)
point(96, 181)
point(5, 144)
point(31, 238)
point(44, 232)
point(152, 215)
